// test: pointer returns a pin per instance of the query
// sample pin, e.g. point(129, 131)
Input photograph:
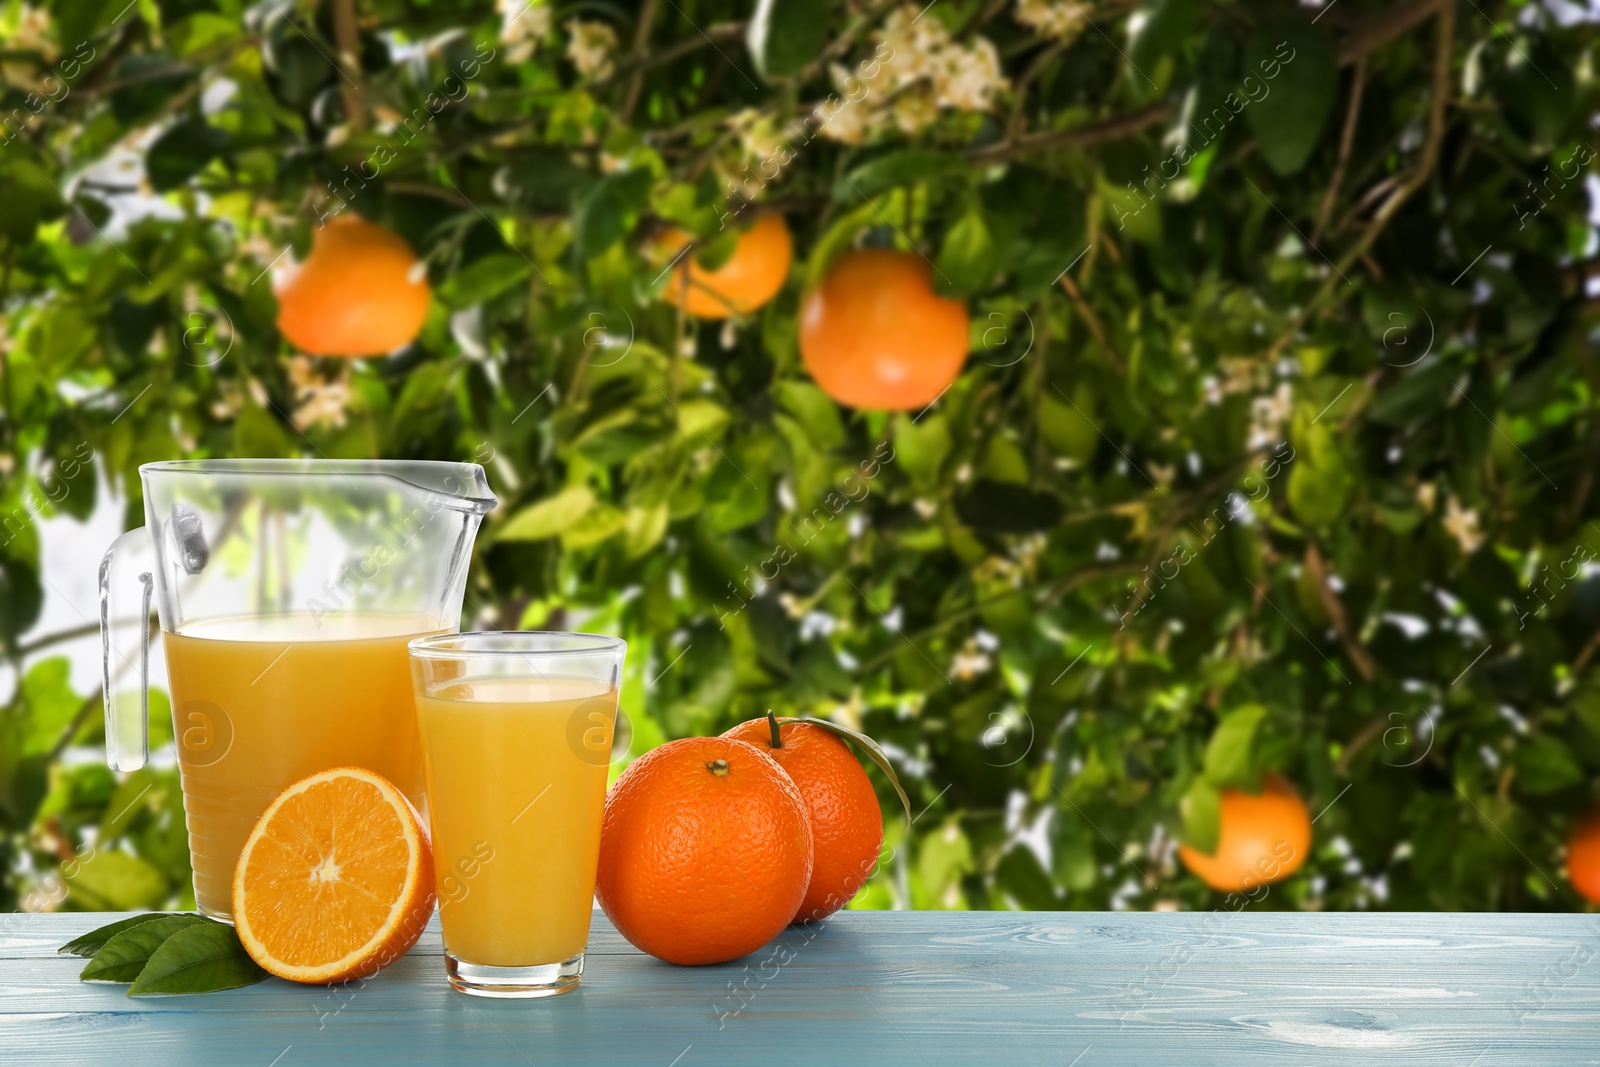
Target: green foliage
point(166, 954)
point(1275, 448)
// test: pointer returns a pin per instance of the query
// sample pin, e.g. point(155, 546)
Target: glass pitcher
point(286, 592)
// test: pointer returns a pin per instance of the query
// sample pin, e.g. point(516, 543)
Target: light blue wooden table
point(881, 988)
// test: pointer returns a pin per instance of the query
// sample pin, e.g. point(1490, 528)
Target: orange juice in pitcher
point(287, 591)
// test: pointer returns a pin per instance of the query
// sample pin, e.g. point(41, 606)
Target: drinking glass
point(516, 732)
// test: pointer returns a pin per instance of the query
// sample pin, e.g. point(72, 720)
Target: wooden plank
point(917, 988)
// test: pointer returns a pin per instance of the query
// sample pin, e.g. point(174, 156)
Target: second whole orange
point(874, 334)
point(846, 821)
point(705, 851)
point(1264, 837)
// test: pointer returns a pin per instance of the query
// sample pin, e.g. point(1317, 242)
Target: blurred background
point(1273, 449)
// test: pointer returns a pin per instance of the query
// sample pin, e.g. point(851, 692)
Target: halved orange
point(336, 879)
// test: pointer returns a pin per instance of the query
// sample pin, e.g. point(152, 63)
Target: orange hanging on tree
point(361, 292)
point(1583, 857)
point(1264, 837)
point(748, 279)
point(874, 334)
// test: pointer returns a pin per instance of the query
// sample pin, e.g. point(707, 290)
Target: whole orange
point(846, 821)
point(705, 851)
point(874, 334)
point(361, 292)
point(1583, 857)
point(1264, 837)
point(747, 279)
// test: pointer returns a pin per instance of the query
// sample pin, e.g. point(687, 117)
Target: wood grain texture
point(892, 988)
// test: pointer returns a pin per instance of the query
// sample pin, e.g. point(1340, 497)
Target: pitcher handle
point(127, 581)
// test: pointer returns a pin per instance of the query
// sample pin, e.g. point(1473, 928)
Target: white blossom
point(1059, 19)
point(1427, 494)
point(523, 24)
point(916, 70)
point(1462, 524)
point(30, 35)
point(1268, 414)
point(591, 46)
point(322, 399)
point(914, 109)
point(968, 78)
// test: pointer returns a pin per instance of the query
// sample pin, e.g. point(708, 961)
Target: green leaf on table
point(1289, 119)
point(200, 959)
point(122, 957)
point(1230, 755)
point(90, 943)
point(785, 35)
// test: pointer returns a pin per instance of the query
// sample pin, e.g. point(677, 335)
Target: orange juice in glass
point(516, 735)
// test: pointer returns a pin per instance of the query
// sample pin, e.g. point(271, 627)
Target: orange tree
point(1273, 449)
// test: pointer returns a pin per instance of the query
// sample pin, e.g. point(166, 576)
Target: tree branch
point(1020, 92)
point(1443, 53)
point(57, 638)
point(1092, 320)
point(1346, 141)
point(1330, 603)
point(641, 39)
point(724, 32)
point(348, 39)
point(1077, 137)
point(1049, 598)
point(1373, 33)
